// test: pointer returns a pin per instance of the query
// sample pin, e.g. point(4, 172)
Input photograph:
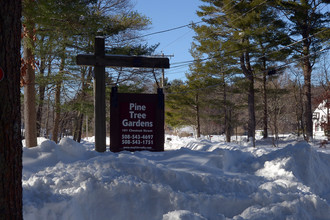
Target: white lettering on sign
point(139, 123)
point(135, 113)
point(136, 107)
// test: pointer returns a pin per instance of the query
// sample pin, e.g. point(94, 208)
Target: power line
point(185, 63)
point(294, 43)
point(186, 25)
point(175, 28)
point(250, 10)
point(180, 37)
point(300, 58)
point(163, 31)
point(277, 68)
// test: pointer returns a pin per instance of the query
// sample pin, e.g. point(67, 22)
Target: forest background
point(258, 65)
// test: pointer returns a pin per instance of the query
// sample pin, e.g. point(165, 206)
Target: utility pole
point(163, 70)
point(163, 74)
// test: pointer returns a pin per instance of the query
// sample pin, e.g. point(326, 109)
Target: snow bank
point(195, 179)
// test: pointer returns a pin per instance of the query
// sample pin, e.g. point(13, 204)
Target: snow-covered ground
point(191, 179)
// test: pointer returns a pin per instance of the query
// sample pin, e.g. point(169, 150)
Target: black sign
point(136, 121)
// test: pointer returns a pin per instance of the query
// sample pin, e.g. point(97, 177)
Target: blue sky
point(167, 14)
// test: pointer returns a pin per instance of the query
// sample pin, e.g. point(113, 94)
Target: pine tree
point(55, 18)
point(10, 123)
point(196, 83)
point(186, 101)
point(220, 69)
point(272, 33)
point(176, 114)
point(310, 25)
point(28, 72)
point(63, 29)
point(247, 33)
point(45, 56)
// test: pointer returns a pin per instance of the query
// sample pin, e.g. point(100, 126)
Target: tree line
point(252, 68)
point(241, 47)
point(57, 93)
point(242, 53)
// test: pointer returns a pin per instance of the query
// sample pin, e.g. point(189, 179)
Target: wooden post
point(163, 74)
point(99, 98)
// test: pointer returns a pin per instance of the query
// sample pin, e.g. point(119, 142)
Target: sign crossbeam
point(123, 61)
point(100, 60)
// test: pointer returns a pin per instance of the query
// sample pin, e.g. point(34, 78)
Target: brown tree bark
point(308, 19)
point(265, 102)
point(30, 114)
point(247, 71)
point(80, 125)
point(10, 123)
point(307, 68)
point(42, 88)
point(80, 115)
point(58, 102)
point(198, 124)
point(251, 109)
point(227, 111)
point(57, 111)
point(45, 63)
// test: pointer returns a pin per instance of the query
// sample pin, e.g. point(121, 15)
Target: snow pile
point(195, 179)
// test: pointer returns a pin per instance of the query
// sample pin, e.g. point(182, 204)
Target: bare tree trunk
point(307, 69)
point(75, 129)
point(57, 111)
point(63, 125)
point(247, 71)
point(265, 102)
point(80, 115)
point(29, 88)
point(227, 121)
point(299, 110)
point(42, 88)
point(229, 128)
point(326, 86)
point(198, 128)
point(308, 98)
point(58, 103)
point(80, 125)
point(251, 110)
point(86, 135)
point(10, 123)
point(276, 113)
point(78, 122)
point(47, 117)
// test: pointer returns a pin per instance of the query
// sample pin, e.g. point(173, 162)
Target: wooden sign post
point(100, 60)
